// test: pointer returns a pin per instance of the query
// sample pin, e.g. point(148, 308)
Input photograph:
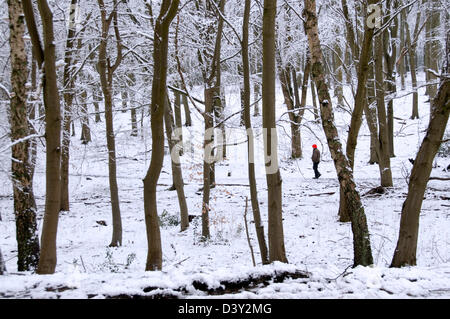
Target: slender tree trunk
point(384, 162)
point(85, 129)
point(124, 96)
point(178, 123)
point(401, 63)
point(434, 48)
point(371, 117)
point(21, 165)
point(2, 264)
point(286, 87)
point(405, 252)
point(68, 95)
point(412, 66)
point(208, 159)
point(160, 48)
point(259, 227)
point(106, 71)
point(314, 100)
point(97, 98)
point(46, 56)
point(174, 147)
point(361, 241)
point(276, 236)
point(356, 119)
point(187, 112)
point(390, 54)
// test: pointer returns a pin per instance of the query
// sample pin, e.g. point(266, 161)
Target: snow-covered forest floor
point(315, 241)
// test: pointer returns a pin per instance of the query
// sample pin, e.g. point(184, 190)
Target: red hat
point(314, 146)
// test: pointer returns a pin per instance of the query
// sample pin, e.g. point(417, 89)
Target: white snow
point(315, 241)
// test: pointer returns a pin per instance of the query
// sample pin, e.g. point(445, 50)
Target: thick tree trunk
point(361, 241)
point(160, 47)
point(21, 165)
point(259, 227)
point(276, 236)
point(177, 174)
point(405, 252)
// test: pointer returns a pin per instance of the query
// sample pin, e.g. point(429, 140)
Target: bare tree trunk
point(384, 161)
point(46, 57)
point(124, 96)
point(2, 264)
point(187, 112)
point(207, 161)
point(177, 175)
point(390, 54)
point(314, 100)
point(96, 100)
point(106, 71)
point(433, 49)
point(356, 119)
point(259, 227)
point(361, 241)
point(412, 63)
point(401, 62)
point(178, 123)
point(85, 129)
point(68, 95)
point(160, 48)
point(338, 74)
point(21, 165)
point(286, 87)
point(405, 252)
point(276, 236)
point(371, 117)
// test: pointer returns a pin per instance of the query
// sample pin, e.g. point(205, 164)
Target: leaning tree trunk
point(250, 138)
point(175, 145)
point(46, 56)
point(356, 119)
point(405, 252)
point(21, 165)
point(274, 197)
point(361, 242)
point(160, 47)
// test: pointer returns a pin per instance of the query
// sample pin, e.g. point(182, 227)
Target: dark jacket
point(316, 156)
